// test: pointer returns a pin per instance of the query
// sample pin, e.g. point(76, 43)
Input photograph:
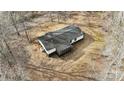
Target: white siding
point(79, 38)
point(73, 41)
point(49, 51)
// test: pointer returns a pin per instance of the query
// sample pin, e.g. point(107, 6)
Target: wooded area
point(98, 57)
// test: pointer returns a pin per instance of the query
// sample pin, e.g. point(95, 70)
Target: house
point(61, 41)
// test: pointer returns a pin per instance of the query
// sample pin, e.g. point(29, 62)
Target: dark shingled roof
point(60, 39)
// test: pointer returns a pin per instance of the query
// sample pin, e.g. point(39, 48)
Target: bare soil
point(75, 65)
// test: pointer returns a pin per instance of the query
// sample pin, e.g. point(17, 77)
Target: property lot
point(64, 67)
point(74, 65)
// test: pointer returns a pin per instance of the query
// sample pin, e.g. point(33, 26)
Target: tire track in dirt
point(80, 58)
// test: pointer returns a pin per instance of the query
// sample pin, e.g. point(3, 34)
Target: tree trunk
point(26, 33)
point(14, 23)
point(10, 51)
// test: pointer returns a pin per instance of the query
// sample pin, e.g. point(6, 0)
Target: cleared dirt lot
point(38, 57)
point(74, 65)
point(86, 60)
